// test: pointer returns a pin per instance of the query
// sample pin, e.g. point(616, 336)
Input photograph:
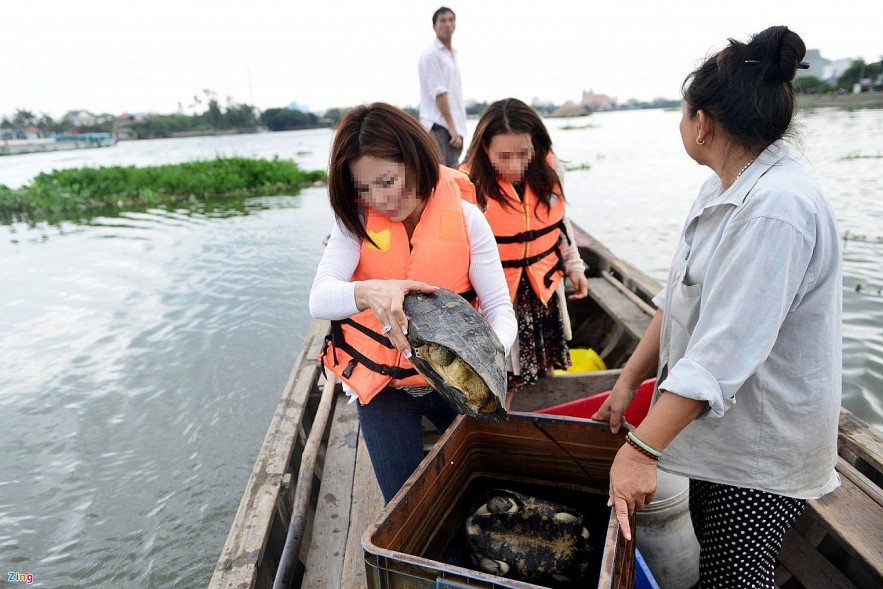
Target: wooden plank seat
point(851, 515)
point(861, 446)
point(635, 280)
point(629, 312)
point(800, 560)
point(838, 541)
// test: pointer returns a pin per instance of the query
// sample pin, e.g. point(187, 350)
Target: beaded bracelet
point(643, 448)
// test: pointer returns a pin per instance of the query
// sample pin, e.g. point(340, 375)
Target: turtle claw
point(564, 517)
point(494, 567)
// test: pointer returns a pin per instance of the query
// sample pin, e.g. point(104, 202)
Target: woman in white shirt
point(401, 226)
point(746, 343)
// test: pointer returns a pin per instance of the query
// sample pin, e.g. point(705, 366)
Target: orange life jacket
point(438, 253)
point(527, 236)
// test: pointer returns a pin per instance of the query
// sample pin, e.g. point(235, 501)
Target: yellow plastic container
point(583, 360)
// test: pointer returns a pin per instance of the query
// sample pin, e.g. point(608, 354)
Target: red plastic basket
point(585, 408)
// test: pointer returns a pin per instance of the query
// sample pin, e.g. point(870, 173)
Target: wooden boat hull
point(838, 542)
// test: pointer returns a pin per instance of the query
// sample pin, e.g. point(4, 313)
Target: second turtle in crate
point(527, 538)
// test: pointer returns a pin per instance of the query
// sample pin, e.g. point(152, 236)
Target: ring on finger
point(386, 329)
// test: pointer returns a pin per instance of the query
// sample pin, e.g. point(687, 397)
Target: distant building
point(32, 132)
point(81, 118)
point(299, 107)
point(823, 69)
point(816, 63)
point(597, 101)
point(835, 69)
point(122, 127)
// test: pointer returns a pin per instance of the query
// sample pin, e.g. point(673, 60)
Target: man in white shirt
point(442, 110)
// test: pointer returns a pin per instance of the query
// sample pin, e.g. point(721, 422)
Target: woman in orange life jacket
point(512, 165)
point(403, 224)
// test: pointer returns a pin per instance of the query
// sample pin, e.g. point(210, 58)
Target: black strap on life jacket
point(394, 372)
point(377, 337)
point(532, 234)
point(547, 279)
point(338, 342)
point(525, 262)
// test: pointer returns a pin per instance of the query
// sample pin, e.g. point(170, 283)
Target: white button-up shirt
point(440, 74)
point(752, 326)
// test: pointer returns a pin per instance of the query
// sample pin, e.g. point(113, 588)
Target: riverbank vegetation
point(71, 194)
point(205, 114)
point(841, 101)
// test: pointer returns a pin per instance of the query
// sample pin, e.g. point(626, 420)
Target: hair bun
point(779, 51)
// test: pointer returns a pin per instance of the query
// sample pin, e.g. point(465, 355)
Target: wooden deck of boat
point(846, 526)
point(837, 542)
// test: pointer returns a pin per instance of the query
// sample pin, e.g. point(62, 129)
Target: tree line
point(233, 115)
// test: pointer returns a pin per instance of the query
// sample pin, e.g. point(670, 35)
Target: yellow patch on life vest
point(381, 238)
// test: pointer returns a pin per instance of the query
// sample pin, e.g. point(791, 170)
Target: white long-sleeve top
point(333, 297)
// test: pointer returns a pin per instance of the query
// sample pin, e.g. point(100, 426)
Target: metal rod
point(294, 538)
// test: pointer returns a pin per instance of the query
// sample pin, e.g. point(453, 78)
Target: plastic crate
point(643, 577)
point(418, 539)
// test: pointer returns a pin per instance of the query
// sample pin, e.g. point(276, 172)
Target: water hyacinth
point(70, 193)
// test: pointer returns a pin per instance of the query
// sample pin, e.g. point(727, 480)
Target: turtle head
point(413, 336)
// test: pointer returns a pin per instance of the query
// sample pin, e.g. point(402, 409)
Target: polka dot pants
point(740, 533)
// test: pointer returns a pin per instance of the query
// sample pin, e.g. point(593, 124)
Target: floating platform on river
point(58, 143)
point(313, 470)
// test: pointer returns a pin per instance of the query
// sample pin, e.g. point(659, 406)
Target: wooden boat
point(313, 479)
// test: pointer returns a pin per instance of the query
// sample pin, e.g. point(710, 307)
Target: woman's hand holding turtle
point(580, 285)
point(385, 298)
point(632, 485)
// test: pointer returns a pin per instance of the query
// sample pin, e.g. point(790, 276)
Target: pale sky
point(150, 55)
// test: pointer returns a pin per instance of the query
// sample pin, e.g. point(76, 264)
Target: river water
point(142, 356)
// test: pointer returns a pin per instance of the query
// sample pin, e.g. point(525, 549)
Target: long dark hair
point(746, 87)
point(511, 115)
point(383, 131)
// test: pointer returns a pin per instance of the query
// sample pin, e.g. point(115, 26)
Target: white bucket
point(665, 534)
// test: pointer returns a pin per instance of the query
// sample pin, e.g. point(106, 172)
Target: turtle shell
point(527, 538)
point(457, 352)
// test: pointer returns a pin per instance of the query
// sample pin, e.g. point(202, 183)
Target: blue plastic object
point(643, 577)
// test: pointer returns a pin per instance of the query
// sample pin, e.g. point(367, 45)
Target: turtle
point(457, 352)
point(528, 538)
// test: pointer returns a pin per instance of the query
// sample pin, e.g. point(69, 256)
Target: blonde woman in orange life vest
point(511, 163)
point(403, 224)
